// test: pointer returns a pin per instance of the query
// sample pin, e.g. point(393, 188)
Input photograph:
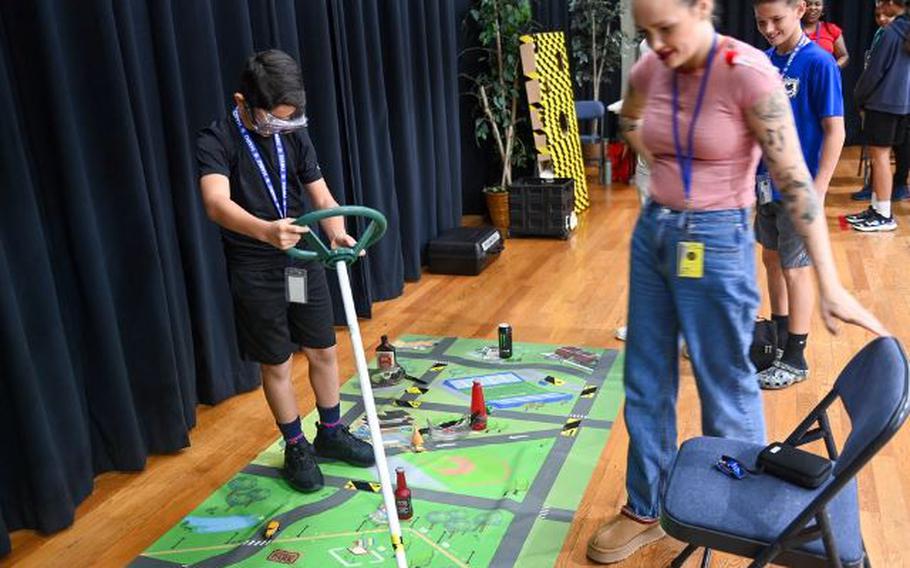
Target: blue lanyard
point(282, 207)
point(803, 42)
point(685, 160)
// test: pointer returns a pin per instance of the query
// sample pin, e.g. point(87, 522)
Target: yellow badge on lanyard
point(690, 261)
point(690, 257)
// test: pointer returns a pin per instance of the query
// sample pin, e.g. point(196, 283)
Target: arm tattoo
point(773, 141)
point(774, 108)
point(627, 124)
point(782, 154)
point(632, 106)
point(799, 195)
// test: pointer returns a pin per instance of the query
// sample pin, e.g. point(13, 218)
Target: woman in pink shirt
point(701, 109)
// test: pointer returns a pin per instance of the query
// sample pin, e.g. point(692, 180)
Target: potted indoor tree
point(597, 49)
point(597, 41)
point(497, 88)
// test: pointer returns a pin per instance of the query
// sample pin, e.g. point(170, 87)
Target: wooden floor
point(550, 291)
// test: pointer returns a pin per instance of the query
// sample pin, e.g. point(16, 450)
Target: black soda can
point(505, 341)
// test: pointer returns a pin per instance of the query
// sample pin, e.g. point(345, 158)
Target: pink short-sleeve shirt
point(726, 153)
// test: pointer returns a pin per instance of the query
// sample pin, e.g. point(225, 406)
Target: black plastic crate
point(464, 250)
point(542, 207)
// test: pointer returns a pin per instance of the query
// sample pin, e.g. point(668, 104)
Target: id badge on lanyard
point(690, 259)
point(690, 254)
point(763, 189)
point(295, 288)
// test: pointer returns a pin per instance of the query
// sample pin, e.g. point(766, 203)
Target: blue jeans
point(715, 314)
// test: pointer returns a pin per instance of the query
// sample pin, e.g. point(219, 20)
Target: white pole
point(372, 419)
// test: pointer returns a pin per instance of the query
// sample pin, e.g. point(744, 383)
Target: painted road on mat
point(525, 513)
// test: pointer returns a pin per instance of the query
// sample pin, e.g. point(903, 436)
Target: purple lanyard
point(282, 207)
point(685, 160)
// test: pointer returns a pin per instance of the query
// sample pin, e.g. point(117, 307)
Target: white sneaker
point(876, 223)
point(621, 333)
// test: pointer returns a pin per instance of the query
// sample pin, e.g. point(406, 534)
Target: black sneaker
point(876, 224)
point(340, 444)
point(860, 217)
point(300, 469)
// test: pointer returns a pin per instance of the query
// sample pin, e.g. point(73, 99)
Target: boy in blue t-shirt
point(812, 81)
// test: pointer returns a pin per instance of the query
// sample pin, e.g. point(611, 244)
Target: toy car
point(729, 466)
point(271, 529)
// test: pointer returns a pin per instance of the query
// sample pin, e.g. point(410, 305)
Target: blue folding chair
point(771, 520)
point(594, 111)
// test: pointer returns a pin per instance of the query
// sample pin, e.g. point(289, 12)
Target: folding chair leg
point(828, 538)
point(683, 556)
point(706, 559)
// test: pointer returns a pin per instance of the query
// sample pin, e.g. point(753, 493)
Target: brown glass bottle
point(403, 496)
point(385, 354)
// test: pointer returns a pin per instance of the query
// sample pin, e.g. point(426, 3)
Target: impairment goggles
point(270, 125)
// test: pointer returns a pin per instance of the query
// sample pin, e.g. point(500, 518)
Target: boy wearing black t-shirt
point(258, 172)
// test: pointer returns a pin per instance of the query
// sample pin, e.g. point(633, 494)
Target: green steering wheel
point(330, 257)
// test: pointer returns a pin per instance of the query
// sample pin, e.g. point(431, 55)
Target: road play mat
point(500, 497)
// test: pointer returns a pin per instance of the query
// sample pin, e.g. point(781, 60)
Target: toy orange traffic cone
point(478, 408)
point(417, 440)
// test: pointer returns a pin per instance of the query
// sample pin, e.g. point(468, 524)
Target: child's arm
point(216, 195)
point(880, 61)
point(832, 144)
point(334, 229)
point(840, 52)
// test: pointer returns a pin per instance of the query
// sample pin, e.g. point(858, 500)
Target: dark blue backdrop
point(115, 319)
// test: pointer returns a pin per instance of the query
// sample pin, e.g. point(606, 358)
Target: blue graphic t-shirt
point(813, 83)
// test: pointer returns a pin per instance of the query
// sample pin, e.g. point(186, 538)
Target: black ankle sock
point(330, 417)
point(292, 431)
point(782, 323)
point(794, 351)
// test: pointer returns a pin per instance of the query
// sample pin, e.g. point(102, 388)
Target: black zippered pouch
point(794, 465)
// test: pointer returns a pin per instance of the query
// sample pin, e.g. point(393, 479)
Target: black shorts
point(269, 328)
point(885, 129)
point(775, 231)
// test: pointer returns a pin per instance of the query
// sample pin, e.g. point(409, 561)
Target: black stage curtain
point(115, 318)
point(856, 19)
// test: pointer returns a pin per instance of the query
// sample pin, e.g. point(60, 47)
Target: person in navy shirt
point(883, 94)
point(884, 15)
point(257, 172)
point(812, 80)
